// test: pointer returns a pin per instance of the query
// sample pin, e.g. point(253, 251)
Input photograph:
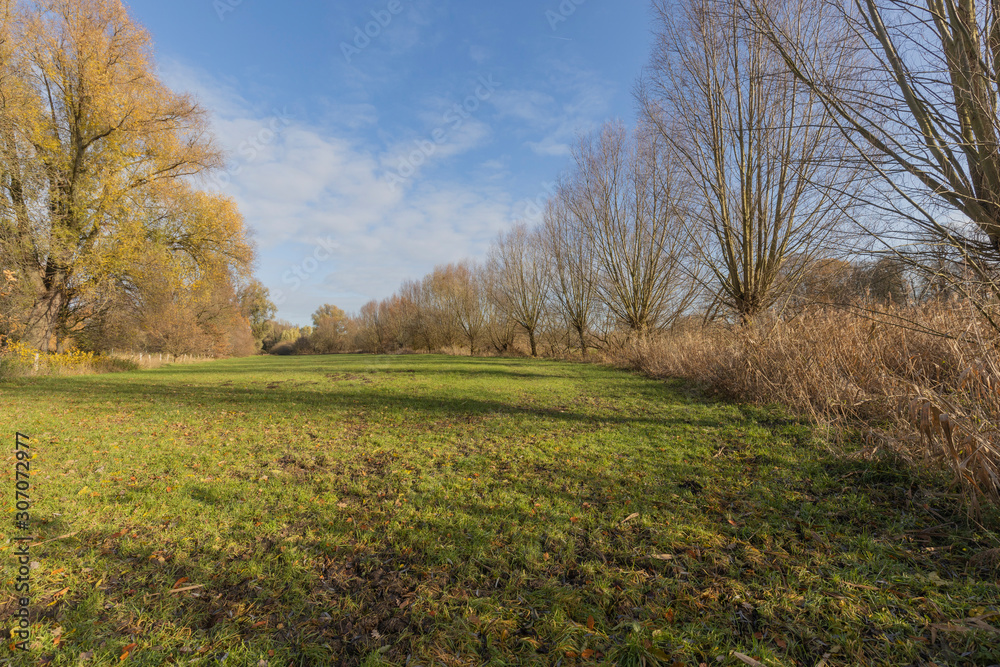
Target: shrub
point(18, 358)
point(284, 349)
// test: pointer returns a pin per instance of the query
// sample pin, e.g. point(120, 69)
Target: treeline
point(513, 305)
point(108, 238)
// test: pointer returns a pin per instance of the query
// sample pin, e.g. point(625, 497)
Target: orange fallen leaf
point(126, 652)
point(179, 582)
point(570, 654)
point(587, 654)
point(574, 519)
point(60, 593)
point(590, 622)
point(669, 615)
point(118, 534)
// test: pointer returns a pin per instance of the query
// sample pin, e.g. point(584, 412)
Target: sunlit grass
point(349, 509)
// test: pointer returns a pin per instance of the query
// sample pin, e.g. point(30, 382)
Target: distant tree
point(818, 280)
point(439, 319)
point(520, 278)
point(624, 198)
point(883, 281)
point(257, 307)
point(574, 268)
point(329, 329)
point(369, 334)
point(463, 300)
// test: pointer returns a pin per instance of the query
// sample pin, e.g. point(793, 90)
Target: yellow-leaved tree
point(99, 157)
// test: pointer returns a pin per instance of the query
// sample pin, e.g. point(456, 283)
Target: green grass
point(454, 511)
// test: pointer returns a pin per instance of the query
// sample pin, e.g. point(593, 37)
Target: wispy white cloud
point(566, 101)
point(307, 187)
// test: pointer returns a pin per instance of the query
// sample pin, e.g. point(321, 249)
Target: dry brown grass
point(924, 381)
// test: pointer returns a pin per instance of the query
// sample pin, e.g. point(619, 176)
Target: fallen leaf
point(126, 652)
point(179, 582)
point(186, 588)
point(662, 557)
point(747, 659)
point(631, 516)
point(587, 654)
point(590, 623)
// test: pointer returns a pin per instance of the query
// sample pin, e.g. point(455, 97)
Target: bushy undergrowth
point(924, 381)
point(19, 359)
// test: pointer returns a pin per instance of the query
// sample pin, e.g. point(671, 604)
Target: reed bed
point(922, 381)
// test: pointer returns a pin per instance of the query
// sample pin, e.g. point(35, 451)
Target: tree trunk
point(531, 339)
point(583, 342)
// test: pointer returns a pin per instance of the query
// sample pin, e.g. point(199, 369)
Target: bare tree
point(520, 284)
point(757, 155)
point(920, 105)
point(420, 324)
point(624, 200)
point(462, 294)
point(574, 270)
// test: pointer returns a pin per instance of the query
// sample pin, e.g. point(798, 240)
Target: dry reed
point(924, 381)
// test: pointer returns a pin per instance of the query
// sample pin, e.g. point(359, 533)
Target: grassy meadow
point(430, 510)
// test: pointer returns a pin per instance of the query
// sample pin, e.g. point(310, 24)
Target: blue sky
point(362, 160)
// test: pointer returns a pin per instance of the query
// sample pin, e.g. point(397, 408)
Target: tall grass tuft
point(923, 381)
